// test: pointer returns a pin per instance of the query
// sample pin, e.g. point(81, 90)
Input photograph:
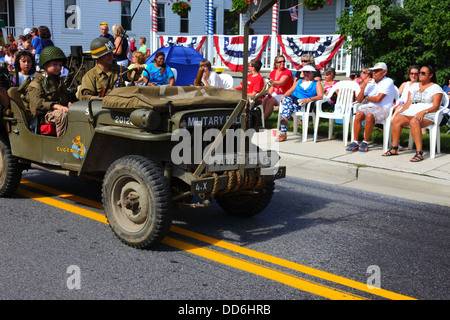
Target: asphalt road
point(314, 242)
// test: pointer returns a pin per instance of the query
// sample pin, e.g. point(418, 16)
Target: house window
point(7, 12)
point(126, 14)
point(72, 14)
point(184, 23)
point(215, 21)
point(161, 16)
point(230, 23)
point(286, 26)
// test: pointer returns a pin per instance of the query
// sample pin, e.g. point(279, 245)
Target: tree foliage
point(417, 33)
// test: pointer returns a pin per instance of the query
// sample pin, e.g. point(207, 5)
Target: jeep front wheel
point(10, 172)
point(246, 203)
point(137, 201)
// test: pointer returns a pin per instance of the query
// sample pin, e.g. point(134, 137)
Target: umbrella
point(185, 60)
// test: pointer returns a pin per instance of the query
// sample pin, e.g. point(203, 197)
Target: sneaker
point(364, 147)
point(352, 147)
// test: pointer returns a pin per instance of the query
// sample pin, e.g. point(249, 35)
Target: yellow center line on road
point(266, 272)
point(63, 205)
point(291, 265)
point(224, 258)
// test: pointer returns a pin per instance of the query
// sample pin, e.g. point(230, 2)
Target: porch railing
point(341, 61)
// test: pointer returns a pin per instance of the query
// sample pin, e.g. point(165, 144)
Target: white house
point(77, 22)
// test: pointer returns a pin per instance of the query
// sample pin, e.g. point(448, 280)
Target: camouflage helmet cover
point(51, 53)
point(101, 46)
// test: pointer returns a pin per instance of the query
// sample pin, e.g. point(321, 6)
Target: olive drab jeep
point(155, 149)
point(149, 147)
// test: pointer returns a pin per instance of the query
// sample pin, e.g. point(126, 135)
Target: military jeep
point(155, 149)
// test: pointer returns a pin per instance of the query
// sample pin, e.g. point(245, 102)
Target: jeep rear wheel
point(244, 204)
point(10, 172)
point(137, 201)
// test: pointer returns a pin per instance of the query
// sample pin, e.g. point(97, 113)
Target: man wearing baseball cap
point(104, 29)
point(377, 95)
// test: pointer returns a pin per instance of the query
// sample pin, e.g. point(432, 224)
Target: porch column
point(210, 30)
point(154, 33)
point(273, 40)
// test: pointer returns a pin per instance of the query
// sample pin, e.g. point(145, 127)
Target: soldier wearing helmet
point(47, 95)
point(105, 76)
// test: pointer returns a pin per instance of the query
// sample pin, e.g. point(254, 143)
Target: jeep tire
point(137, 201)
point(245, 205)
point(10, 172)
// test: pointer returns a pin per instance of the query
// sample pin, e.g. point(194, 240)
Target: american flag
point(293, 12)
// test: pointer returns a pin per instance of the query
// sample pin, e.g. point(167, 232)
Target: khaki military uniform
point(42, 93)
point(95, 80)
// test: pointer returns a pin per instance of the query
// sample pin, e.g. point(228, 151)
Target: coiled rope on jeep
point(251, 180)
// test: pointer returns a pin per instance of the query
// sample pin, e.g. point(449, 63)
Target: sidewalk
point(327, 161)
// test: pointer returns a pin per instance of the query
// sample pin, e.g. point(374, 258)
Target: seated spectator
point(137, 63)
point(424, 99)
point(365, 73)
point(2, 54)
point(8, 56)
point(25, 67)
point(47, 94)
point(27, 44)
point(12, 41)
point(282, 81)
point(255, 82)
point(308, 59)
point(302, 92)
point(377, 96)
point(12, 52)
point(413, 75)
point(20, 42)
point(210, 77)
point(327, 84)
point(446, 89)
point(158, 73)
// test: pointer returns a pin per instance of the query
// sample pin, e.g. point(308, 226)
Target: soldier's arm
point(88, 88)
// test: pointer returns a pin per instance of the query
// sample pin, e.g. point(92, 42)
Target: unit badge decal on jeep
point(78, 148)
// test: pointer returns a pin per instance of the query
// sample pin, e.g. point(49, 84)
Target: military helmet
point(101, 46)
point(51, 53)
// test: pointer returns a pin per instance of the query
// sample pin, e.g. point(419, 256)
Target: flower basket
point(240, 6)
point(314, 5)
point(181, 8)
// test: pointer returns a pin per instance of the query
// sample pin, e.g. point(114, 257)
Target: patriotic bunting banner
point(322, 48)
point(195, 42)
point(231, 49)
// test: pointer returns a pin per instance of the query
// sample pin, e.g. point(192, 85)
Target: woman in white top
point(413, 74)
point(210, 78)
point(424, 99)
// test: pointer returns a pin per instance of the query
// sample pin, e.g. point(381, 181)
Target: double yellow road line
point(286, 278)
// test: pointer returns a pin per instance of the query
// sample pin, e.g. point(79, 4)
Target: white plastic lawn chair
point(435, 135)
point(346, 92)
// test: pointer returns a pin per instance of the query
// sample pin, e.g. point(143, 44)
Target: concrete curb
point(384, 181)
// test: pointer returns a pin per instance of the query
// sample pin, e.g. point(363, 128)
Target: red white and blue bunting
point(231, 49)
point(323, 48)
point(195, 42)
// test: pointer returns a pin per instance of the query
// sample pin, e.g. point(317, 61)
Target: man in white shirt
point(377, 94)
point(210, 78)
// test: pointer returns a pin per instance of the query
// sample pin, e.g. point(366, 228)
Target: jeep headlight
point(146, 119)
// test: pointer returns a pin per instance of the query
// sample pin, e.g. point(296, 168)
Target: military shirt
point(96, 79)
point(45, 91)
